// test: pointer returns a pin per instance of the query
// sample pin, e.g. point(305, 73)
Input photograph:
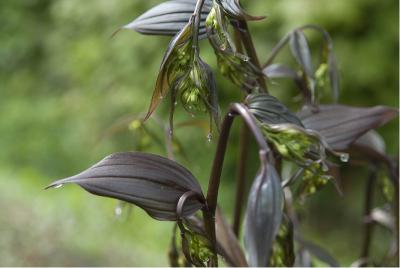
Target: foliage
point(148, 131)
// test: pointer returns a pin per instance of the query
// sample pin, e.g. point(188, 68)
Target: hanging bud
point(183, 72)
point(173, 66)
point(233, 65)
point(304, 147)
point(197, 90)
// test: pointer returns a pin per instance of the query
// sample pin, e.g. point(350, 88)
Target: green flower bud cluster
point(182, 55)
point(233, 65)
point(194, 88)
point(200, 249)
point(314, 178)
point(294, 144)
point(306, 150)
point(283, 248)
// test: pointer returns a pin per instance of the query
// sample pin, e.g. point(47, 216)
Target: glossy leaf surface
point(149, 181)
point(263, 216)
point(270, 110)
point(169, 18)
point(341, 125)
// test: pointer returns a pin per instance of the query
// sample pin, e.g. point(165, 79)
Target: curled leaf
point(263, 216)
point(149, 181)
point(341, 125)
point(268, 109)
point(170, 17)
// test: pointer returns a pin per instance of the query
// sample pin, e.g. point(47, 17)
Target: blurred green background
point(68, 92)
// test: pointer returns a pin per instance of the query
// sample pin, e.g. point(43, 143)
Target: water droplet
point(246, 58)
point(175, 103)
point(344, 158)
point(222, 47)
point(58, 186)
point(118, 210)
point(209, 137)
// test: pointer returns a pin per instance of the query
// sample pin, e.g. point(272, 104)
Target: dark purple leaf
point(263, 216)
point(301, 52)
point(228, 243)
point(280, 71)
point(234, 9)
point(169, 18)
point(333, 73)
point(329, 58)
point(341, 125)
point(149, 181)
point(270, 110)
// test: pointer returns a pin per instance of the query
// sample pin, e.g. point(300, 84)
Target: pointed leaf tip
point(149, 181)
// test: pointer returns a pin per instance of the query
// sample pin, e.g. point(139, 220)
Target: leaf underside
point(341, 125)
point(169, 18)
point(270, 110)
point(151, 182)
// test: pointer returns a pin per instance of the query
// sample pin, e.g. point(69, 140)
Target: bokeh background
point(68, 93)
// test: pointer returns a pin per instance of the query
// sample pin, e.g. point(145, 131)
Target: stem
point(243, 153)
point(276, 49)
point(367, 210)
point(251, 51)
point(213, 186)
point(215, 177)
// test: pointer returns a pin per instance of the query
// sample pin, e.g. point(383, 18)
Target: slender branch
point(251, 51)
point(367, 210)
point(241, 178)
point(276, 50)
